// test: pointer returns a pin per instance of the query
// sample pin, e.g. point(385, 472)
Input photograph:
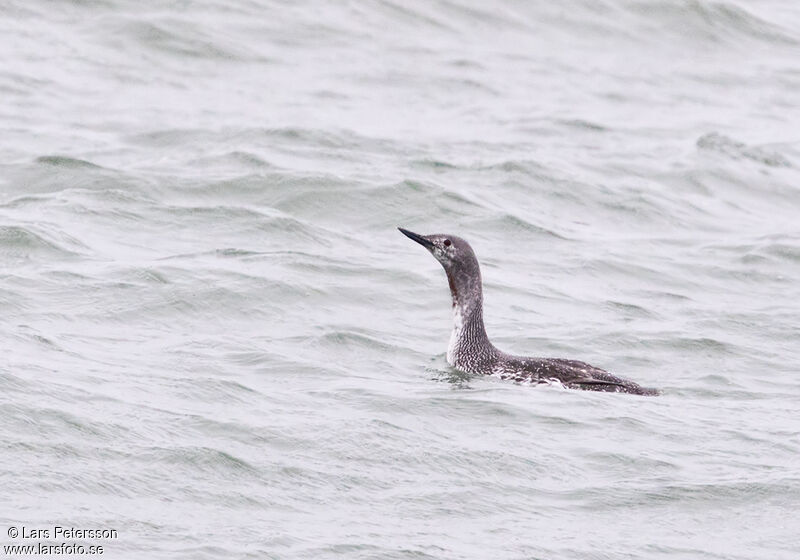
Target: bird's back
point(570, 373)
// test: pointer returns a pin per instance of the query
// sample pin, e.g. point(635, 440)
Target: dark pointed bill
point(416, 237)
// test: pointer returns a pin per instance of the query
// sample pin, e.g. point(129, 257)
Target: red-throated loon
point(470, 349)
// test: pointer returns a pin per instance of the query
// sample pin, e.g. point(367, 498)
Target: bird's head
point(458, 260)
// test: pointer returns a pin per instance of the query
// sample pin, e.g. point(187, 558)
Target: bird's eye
point(447, 243)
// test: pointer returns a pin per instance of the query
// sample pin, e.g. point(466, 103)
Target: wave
point(715, 142)
point(28, 243)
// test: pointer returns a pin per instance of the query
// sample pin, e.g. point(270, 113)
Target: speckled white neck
point(455, 335)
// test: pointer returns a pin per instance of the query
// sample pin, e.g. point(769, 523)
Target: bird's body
point(470, 349)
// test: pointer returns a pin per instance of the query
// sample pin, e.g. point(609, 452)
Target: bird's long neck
point(469, 349)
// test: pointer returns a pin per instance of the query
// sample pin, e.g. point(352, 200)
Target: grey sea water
point(216, 343)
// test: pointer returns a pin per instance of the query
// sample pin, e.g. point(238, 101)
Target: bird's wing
point(572, 374)
point(585, 376)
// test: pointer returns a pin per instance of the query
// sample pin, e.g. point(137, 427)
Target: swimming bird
point(470, 349)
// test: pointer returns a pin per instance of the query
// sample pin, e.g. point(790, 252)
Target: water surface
point(216, 342)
